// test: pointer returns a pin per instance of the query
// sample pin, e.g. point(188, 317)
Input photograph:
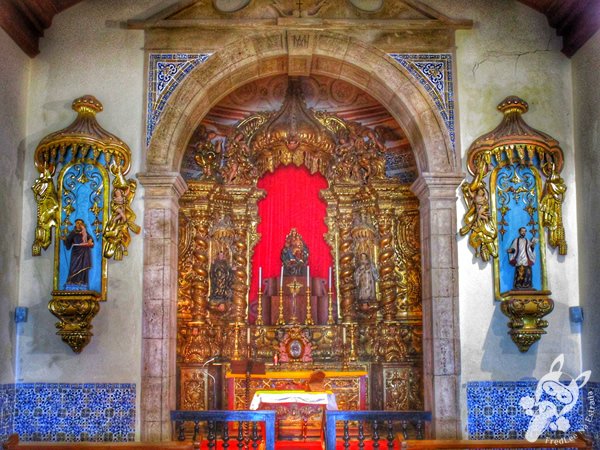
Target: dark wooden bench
point(374, 426)
point(219, 424)
point(13, 443)
point(578, 440)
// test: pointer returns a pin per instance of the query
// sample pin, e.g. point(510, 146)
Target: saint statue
point(221, 280)
point(80, 243)
point(365, 277)
point(521, 254)
point(294, 255)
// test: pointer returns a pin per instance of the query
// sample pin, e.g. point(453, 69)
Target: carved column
point(200, 266)
point(441, 334)
point(346, 263)
point(240, 268)
point(159, 315)
point(387, 285)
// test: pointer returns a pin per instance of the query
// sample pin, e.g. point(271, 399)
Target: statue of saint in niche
point(294, 255)
point(80, 243)
point(221, 280)
point(365, 277)
point(521, 254)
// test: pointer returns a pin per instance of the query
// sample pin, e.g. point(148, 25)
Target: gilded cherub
point(121, 220)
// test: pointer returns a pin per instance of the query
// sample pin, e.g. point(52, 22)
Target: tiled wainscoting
point(7, 406)
point(68, 412)
point(495, 410)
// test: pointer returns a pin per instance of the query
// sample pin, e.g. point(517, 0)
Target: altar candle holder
point(309, 320)
point(281, 319)
point(352, 340)
point(236, 340)
point(330, 320)
point(259, 312)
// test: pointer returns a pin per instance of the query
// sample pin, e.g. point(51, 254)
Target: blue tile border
point(7, 406)
point(165, 72)
point(434, 72)
point(494, 410)
point(70, 412)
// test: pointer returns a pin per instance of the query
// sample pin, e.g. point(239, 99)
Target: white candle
point(307, 276)
point(330, 278)
point(259, 278)
point(281, 279)
point(344, 335)
point(248, 336)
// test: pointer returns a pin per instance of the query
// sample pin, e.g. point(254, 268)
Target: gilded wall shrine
point(371, 216)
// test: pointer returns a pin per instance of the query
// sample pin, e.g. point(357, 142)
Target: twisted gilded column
point(387, 285)
point(200, 266)
point(240, 268)
point(346, 270)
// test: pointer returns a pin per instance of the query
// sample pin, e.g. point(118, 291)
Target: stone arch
point(370, 69)
point(364, 66)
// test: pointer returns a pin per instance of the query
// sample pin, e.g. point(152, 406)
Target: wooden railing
point(13, 443)
point(246, 423)
point(374, 426)
point(577, 440)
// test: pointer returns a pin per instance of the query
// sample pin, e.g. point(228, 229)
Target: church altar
point(341, 291)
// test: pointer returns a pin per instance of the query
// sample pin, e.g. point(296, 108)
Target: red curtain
point(291, 201)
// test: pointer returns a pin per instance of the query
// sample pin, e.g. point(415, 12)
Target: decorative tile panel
point(7, 403)
point(495, 412)
point(434, 73)
point(75, 412)
point(165, 72)
point(591, 412)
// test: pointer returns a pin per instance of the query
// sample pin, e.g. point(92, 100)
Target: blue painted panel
point(516, 206)
point(82, 194)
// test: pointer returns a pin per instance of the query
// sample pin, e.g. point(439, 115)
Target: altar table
point(349, 387)
point(296, 408)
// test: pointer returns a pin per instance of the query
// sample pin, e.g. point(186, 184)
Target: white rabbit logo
point(553, 400)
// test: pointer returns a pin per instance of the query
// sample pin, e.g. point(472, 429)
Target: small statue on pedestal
point(294, 255)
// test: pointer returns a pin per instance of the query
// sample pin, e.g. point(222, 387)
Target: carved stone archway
point(338, 57)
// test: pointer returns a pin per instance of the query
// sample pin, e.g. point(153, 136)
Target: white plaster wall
point(14, 79)
point(86, 51)
point(511, 50)
point(586, 66)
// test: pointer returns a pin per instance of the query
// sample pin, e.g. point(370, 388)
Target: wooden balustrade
point(374, 426)
point(577, 440)
point(13, 443)
point(245, 422)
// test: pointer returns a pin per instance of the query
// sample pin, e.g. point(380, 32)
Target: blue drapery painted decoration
point(516, 208)
point(83, 200)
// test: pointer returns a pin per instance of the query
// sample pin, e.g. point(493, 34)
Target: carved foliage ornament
point(515, 192)
point(92, 223)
